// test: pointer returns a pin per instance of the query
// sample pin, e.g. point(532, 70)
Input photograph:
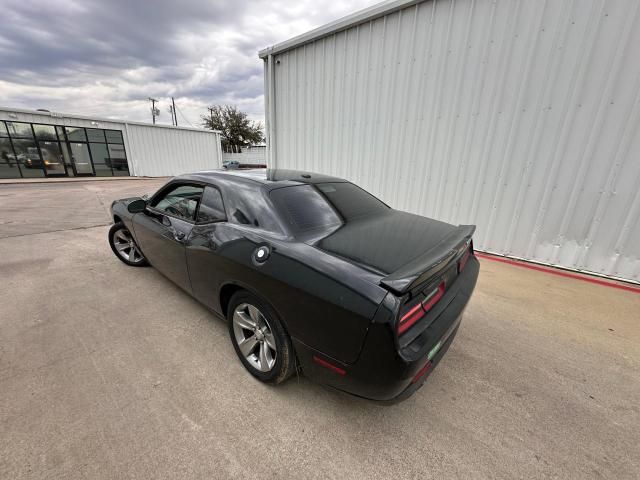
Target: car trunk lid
point(431, 263)
point(401, 247)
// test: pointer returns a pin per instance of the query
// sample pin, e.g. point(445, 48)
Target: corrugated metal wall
point(160, 151)
point(519, 116)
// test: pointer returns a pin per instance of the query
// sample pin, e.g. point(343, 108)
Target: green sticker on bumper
point(434, 350)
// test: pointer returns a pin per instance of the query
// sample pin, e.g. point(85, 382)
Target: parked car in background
point(312, 273)
point(235, 164)
point(231, 164)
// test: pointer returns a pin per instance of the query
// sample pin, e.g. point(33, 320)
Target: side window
point(248, 205)
point(181, 201)
point(211, 207)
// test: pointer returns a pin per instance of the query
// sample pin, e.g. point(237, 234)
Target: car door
point(164, 228)
point(211, 231)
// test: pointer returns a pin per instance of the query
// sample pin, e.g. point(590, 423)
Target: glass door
point(49, 150)
point(81, 159)
point(79, 151)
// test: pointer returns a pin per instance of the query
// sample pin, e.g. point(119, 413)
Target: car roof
point(269, 178)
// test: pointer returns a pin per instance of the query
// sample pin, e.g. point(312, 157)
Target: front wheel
point(125, 247)
point(259, 339)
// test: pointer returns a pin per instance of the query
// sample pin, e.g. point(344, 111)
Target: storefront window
point(57, 150)
point(100, 156)
point(45, 132)
point(28, 157)
point(52, 158)
point(95, 135)
point(8, 164)
point(118, 160)
point(75, 134)
point(113, 136)
point(19, 130)
point(60, 132)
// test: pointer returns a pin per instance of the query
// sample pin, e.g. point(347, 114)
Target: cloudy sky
point(106, 57)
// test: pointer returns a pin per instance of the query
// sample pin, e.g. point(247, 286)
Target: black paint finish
point(338, 289)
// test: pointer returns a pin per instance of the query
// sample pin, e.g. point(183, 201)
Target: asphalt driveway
point(108, 371)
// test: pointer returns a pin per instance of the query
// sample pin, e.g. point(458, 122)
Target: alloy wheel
point(254, 337)
point(126, 246)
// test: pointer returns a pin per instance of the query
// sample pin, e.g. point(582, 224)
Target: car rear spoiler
point(430, 263)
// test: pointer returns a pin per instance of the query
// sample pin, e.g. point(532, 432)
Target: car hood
point(384, 243)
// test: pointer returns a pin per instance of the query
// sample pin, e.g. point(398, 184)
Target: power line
point(183, 117)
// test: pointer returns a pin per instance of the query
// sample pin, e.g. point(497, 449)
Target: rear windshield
point(310, 207)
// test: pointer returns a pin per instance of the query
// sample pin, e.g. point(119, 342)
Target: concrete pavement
point(108, 371)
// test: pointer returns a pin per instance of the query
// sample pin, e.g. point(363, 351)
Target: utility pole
point(175, 114)
point(154, 110)
point(211, 114)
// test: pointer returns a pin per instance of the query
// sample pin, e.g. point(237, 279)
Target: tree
point(237, 130)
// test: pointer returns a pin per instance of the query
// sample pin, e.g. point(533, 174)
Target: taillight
point(463, 261)
point(419, 310)
point(433, 297)
point(414, 314)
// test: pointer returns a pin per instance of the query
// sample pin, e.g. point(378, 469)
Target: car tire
point(259, 338)
point(125, 247)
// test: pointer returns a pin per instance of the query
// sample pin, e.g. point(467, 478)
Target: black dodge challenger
point(311, 272)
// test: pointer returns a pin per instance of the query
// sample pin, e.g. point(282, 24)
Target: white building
point(521, 117)
point(51, 144)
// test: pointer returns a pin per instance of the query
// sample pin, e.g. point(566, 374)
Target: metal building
point(51, 144)
point(519, 116)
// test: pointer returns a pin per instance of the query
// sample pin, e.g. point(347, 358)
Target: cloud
point(96, 57)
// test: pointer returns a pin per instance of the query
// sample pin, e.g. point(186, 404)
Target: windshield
point(311, 207)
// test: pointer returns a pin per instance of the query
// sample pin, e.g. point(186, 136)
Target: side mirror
point(137, 206)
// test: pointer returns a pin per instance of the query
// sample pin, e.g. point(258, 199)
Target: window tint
point(350, 200)
point(181, 201)
point(304, 207)
point(247, 205)
point(211, 207)
point(308, 207)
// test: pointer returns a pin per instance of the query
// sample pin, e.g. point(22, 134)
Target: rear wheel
point(259, 339)
point(125, 247)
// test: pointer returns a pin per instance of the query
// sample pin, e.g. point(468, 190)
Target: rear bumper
point(385, 372)
point(415, 386)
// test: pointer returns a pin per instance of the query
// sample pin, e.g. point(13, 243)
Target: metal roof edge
point(102, 119)
point(357, 18)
